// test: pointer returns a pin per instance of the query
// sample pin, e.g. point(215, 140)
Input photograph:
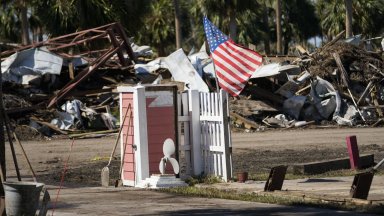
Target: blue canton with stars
point(214, 36)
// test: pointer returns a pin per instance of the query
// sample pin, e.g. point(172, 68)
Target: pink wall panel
point(127, 136)
point(129, 175)
point(161, 125)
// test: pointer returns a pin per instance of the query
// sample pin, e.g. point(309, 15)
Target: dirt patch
point(261, 161)
point(85, 175)
point(252, 152)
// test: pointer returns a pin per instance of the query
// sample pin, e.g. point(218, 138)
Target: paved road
point(128, 201)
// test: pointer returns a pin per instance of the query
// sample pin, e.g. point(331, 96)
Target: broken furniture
point(362, 182)
point(276, 178)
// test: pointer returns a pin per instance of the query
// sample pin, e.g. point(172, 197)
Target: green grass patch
point(191, 181)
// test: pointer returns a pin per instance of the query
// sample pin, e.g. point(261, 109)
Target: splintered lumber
point(264, 94)
point(302, 50)
point(51, 126)
point(92, 134)
point(93, 92)
point(345, 78)
point(334, 40)
point(365, 93)
point(243, 121)
point(343, 72)
point(376, 103)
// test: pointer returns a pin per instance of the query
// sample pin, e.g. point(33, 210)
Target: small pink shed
point(151, 119)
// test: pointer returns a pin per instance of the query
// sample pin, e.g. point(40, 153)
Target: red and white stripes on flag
point(234, 65)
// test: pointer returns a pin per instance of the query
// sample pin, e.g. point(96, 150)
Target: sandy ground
point(254, 152)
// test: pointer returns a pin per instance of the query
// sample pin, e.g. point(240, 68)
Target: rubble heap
point(66, 85)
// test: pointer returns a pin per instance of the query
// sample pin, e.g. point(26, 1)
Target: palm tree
point(348, 18)
point(368, 16)
point(159, 30)
point(226, 14)
point(24, 21)
point(14, 21)
point(266, 28)
point(279, 44)
point(62, 17)
point(176, 6)
point(294, 29)
point(10, 30)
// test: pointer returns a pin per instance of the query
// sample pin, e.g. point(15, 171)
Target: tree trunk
point(232, 24)
point(267, 37)
point(24, 23)
point(348, 18)
point(177, 23)
point(2, 146)
point(279, 43)
point(40, 36)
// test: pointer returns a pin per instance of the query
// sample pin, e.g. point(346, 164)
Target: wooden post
point(194, 111)
point(140, 134)
point(353, 152)
point(225, 136)
point(2, 146)
point(71, 67)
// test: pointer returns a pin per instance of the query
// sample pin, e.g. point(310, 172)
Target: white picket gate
point(205, 141)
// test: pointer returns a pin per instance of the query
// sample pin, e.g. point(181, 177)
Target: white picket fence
point(205, 141)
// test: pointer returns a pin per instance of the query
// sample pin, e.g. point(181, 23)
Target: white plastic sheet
point(266, 70)
point(182, 70)
point(37, 62)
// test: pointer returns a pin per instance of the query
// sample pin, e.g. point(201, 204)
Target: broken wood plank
point(109, 79)
point(243, 121)
point(91, 134)
point(94, 92)
point(334, 40)
point(303, 89)
point(365, 93)
point(106, 108)
point(71, 68)
point(376, 103)
point(345, 78)
point(377, 122)
point(301, 50)
point(344, 75)
point(51, 126)
point(85, 73)
point(71, 71)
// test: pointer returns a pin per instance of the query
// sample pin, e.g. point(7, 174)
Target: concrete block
point(329, 165)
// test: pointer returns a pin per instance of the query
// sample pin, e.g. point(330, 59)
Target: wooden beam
point(2, 148)
point(51, 126)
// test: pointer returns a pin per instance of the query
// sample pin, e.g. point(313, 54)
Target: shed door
point(161, 124)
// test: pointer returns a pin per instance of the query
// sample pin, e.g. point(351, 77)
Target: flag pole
point(217, 82)
point(214, 67)
point(207, 48)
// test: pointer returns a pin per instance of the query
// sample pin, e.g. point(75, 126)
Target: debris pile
point(339, 83)
point(66, 85)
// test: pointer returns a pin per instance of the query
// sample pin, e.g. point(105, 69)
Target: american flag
point(233, 64)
